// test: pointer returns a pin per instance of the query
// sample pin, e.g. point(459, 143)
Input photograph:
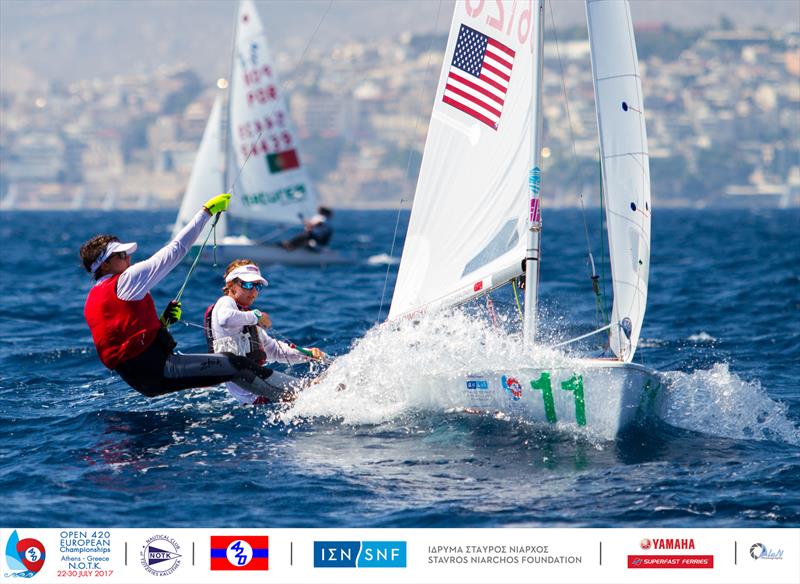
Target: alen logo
point(359, 554)
point(758, 551)
point(24, 556)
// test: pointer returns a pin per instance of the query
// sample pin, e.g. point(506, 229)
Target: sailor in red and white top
point(132, 340)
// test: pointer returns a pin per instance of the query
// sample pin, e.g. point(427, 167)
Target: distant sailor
point(317, 232)
point(132, 340)
point(232, 325)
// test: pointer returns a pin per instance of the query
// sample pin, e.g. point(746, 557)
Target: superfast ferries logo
point(669, 560)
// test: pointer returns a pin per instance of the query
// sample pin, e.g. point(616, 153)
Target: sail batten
point(625, 165)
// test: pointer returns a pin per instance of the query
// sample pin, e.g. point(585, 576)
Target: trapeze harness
point(246, 343)
point(131, 340)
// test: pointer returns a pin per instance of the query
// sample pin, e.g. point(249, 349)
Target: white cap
point(317, 219)
point(112, 248)
point(248, 273)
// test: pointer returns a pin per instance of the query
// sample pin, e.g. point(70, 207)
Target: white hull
point(264, 254)
point(605, 397)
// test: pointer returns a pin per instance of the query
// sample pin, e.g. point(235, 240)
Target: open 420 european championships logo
point(25, 557)
point(236, 552)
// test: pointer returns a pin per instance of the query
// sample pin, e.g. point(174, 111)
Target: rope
point(516, 297)
point(326, 359)
point(408, 164)
point(594, 332)
point(574, 152)
point(197, 259)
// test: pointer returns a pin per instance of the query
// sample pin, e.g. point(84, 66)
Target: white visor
point(248, 273)
point(112, 248)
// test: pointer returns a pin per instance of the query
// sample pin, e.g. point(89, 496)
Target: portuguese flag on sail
point(280, 161)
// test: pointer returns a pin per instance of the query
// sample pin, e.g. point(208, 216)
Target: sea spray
point(388, 371)
point(717, 402)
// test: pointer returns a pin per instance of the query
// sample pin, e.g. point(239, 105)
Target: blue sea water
point(78, 447)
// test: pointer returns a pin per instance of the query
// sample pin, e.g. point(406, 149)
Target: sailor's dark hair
point(325, 211)
point(92, 249)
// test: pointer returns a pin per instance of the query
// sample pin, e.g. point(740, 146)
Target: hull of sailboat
point(271, 254)
point(604, 397)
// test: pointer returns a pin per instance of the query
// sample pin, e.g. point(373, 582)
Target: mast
point(534, 183)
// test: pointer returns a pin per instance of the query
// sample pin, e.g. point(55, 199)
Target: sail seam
point(634, 75)
point(621, 154)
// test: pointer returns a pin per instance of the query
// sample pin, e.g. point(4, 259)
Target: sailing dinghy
point(254, 147)
point(476, 219)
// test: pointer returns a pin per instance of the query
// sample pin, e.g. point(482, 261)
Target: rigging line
point(571, 129)
point(594, 332)
point(408, 162)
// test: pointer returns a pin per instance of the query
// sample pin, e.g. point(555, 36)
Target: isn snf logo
point(359, 554)
point(25, 556)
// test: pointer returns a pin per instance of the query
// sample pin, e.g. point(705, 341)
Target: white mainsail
point(274, 186)
point(467, 229)
point(207, 174)
point(625, 165)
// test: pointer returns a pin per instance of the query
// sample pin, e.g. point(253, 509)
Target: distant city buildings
point(723, 122)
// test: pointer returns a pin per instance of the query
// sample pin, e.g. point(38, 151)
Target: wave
point(718, 402)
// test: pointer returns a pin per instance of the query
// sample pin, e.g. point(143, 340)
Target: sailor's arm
point(281, 352)
point(136, 281)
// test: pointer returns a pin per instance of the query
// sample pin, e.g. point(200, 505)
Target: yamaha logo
point(646, 544)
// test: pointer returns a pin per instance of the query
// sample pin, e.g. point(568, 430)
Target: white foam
point(382, 259)
point(387, 373)
point(718, 402)
point(702, 337)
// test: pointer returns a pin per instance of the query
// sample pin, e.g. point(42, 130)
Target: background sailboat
point(476, 220)
point(252, 145)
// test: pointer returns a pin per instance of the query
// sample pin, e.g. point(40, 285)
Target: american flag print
point(479, 76)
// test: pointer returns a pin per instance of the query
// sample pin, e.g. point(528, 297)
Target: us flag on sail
point(479, 76)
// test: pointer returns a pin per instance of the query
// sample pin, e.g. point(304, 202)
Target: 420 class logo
point(24, 556)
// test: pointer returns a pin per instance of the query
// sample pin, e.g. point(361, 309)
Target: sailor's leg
point(200, 370)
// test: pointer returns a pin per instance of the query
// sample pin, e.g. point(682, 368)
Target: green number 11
point(573, 384)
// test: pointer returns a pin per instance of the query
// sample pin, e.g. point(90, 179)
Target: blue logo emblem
point(359, 554)
point(479, 384)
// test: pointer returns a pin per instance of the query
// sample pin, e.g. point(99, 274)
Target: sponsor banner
point(442, 555)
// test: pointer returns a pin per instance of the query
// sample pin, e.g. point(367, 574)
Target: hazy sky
point(77, 39)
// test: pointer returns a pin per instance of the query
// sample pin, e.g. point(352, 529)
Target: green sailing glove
point(172, 314)
point(218, 204)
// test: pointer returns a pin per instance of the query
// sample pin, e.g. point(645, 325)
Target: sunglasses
point(250, 285)
point(120, 254)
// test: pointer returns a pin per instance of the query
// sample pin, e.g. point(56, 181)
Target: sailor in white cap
point(128, 334)
point(233, 325)
point(317, 232)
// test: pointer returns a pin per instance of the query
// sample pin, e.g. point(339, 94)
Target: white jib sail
point(625, 164)
point(467, 228)
point(206, 178)
point(274, 186)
